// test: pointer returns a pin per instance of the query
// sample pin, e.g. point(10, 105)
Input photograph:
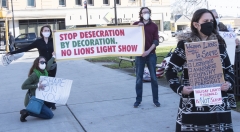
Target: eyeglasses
point(42, 62)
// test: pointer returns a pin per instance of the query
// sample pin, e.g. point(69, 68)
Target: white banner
point(208, 96)
point(95, 42)
point(7, 59)
point(230, 38)
point(57, 90)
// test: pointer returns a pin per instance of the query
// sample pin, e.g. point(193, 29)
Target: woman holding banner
point(39, 68)
point(200, 118)
point(45, 49)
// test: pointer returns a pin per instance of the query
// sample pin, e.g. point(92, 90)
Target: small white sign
point(208, 96)
point(56, 90)
point(230, 38)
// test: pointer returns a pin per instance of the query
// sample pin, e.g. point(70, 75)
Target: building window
point(90, 2)
point(106, 2)
point(62, 2)
point(4, 3)
point(31, 2)
point(118, 2)
point(79, 2)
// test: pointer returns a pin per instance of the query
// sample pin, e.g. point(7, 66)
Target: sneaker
point(157, 104)
point(136, 104)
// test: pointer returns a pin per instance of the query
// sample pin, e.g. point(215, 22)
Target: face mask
point(146, 16)
point(217, 20)
point(207, 28)
point(42, 66)
point(46, 34)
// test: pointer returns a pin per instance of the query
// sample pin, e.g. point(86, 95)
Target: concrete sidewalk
point(101, 100)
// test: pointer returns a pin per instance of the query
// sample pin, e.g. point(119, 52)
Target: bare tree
point(187, 7)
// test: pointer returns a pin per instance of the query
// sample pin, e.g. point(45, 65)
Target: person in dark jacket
point(45, 49)
point(148, 57)
point(201, 118)
point(221, 26)
point(11, 42)
point(39, 68)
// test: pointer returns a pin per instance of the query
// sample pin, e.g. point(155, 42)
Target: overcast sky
point(225, 7)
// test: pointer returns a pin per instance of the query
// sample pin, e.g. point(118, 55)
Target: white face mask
point(217, 20)
point(46, 34)
point(42, 66)
point(146, 16)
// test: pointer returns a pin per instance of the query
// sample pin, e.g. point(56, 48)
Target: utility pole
point(85, 6)
point(143, 3)
point(3, 15)
point(207, 4)
point(115, 11)
point(13, 20)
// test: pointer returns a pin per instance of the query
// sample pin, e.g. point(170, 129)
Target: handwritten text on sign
point(56, 90)
point(204, 64)
point(99, 42)
point(208, 96)
point(230, 38)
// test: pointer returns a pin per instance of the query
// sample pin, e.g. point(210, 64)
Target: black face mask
point(207, 28)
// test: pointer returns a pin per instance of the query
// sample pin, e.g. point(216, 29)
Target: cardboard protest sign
point(230, 38)
point(204, 67)
point(208, 96)
point(56, 90)
point(95, 42)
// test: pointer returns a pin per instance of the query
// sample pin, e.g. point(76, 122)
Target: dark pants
point(51, 73)
point(45, 113)
point(140, 62)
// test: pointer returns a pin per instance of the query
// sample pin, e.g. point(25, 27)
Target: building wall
point(75, 15)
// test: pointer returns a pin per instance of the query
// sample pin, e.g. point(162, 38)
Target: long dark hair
point(196, 17)
point(140, 13)
point(48, 26)
point(35, 65)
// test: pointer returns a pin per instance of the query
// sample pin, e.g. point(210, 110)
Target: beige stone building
point(30, 15)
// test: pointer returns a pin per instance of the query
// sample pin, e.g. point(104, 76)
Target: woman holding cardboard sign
point(192, 117)
point(45, 49)
point(39, 68)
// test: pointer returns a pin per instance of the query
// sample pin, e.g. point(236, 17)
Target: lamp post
point(115, 11)
point(85, 6)
point(13, 20)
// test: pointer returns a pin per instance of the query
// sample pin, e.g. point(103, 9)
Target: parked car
point(24, 40)
point(162, 36)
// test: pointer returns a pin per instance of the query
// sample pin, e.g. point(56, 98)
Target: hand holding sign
point(187, 90)
point(225, 86)
point(41, 86)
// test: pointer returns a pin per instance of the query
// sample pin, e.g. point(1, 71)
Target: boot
point(24, 114)
point(54, 107)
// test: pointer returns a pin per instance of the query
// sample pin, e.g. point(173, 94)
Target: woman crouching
point(39, 68)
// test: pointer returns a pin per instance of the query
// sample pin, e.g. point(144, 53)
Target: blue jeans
point(140, 62)
point(45, 113)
